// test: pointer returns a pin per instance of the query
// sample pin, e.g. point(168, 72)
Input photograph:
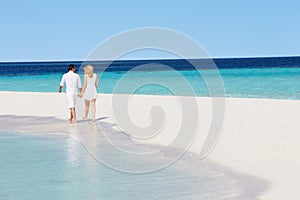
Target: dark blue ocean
point(268, 77)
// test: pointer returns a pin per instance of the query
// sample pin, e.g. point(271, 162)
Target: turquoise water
point(275, 83)
point(57, 167)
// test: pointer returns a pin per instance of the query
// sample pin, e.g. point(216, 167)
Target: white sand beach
point(260, 137)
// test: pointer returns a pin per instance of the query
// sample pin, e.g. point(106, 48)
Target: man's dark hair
point(70, 67)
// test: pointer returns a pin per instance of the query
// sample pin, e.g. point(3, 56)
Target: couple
point(89, 91)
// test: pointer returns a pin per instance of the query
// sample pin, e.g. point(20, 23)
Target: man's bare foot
point(84, 118)
point(93, 120)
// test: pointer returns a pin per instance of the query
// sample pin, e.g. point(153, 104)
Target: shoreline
point(259, 136)
point(157, 95)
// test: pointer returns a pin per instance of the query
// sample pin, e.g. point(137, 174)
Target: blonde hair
point(89, 70)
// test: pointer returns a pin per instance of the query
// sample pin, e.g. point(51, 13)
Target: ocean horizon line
point(150, 59)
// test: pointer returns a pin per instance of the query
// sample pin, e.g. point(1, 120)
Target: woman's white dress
point(91, 90)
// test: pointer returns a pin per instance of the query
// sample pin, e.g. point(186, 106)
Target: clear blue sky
point(69, 30)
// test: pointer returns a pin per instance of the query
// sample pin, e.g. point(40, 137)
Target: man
point(73, 82)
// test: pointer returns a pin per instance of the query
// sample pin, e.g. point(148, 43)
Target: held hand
point(80, 95)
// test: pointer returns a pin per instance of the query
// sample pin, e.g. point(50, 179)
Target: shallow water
point(56, 166)
point(275, 83)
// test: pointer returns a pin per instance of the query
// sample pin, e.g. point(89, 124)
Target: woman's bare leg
point(74, 115)
point(94, 109)
point(87, 107)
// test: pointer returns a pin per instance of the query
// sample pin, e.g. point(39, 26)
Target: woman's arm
point(96, 83)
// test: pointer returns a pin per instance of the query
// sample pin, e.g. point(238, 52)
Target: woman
point(89, 91)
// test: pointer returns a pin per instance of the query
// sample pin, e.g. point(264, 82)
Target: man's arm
point(60, 88)
point(79, 86)
point(84, 84)
point(61, 84)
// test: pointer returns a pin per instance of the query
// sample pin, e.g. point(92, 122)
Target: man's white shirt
point(72, 81)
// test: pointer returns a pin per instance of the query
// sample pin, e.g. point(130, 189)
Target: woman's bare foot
point(93, 120)
point(84, 118)
point(70, 120)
